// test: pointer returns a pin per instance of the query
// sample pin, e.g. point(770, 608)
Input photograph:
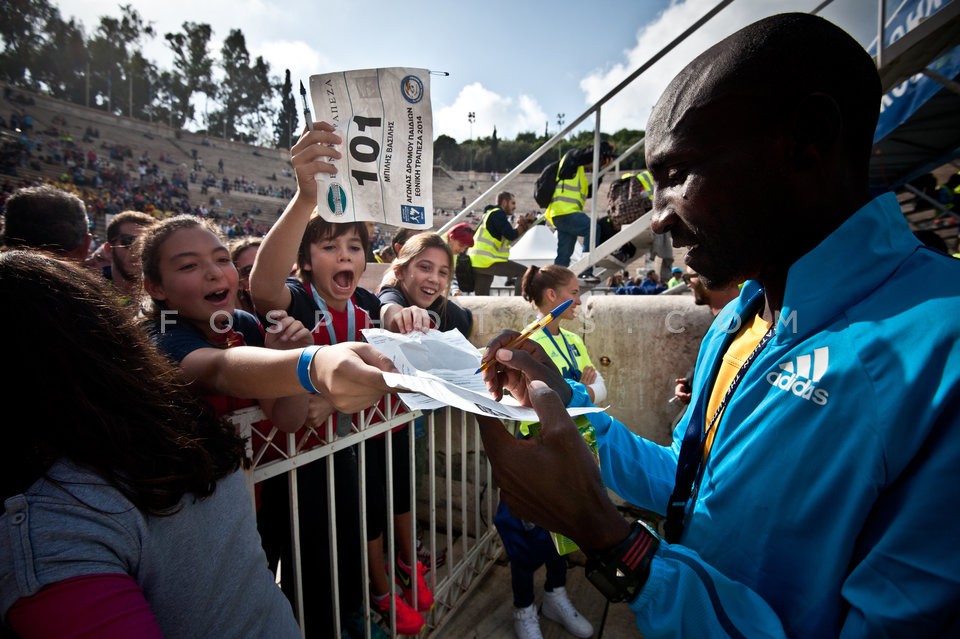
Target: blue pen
point(531, 328)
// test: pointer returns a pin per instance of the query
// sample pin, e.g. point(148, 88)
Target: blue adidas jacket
point(829, 502)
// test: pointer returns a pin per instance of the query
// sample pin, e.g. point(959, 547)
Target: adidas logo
point(800, 376)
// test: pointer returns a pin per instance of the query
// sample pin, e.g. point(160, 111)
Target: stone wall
point(639, 343)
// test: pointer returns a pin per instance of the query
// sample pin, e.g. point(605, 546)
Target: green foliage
point(285, 128)
point(43, 52)
point(23, 30)
point(194, 65)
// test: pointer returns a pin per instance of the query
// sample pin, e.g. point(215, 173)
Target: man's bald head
point(760, 147)
point(772, 64)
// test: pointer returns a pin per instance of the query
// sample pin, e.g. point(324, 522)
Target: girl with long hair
point(123, 500)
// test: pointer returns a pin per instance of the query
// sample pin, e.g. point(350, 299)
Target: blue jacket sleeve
point(622, 453)
point(685, 597)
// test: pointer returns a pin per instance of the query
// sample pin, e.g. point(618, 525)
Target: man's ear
point(82, 251)
point(817, 127)
point(154, 289)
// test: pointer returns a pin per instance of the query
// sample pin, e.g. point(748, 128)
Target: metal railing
point(459, 500)
point(595, 111)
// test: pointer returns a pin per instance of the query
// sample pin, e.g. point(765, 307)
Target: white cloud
point(631, 107)
point(509, 115)
point(296, 55)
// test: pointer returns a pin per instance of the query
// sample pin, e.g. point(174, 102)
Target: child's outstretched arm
point(283, 333)
point(312, 154)
point(349, 375)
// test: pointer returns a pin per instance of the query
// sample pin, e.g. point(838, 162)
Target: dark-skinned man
point(806, 487)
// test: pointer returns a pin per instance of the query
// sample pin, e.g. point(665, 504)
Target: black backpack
point(546, 184)
point(464, 272)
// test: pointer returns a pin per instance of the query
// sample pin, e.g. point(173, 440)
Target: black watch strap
point(620, 573)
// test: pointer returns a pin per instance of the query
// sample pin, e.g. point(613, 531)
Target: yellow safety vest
point(488, 250)
point(569, 196)
point(646, 180)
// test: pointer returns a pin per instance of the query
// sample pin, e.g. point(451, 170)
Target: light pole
point(471, 117)
point(560, 117)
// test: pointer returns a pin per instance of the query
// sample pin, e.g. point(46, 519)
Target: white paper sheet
point(440, 369)
point(386, 122)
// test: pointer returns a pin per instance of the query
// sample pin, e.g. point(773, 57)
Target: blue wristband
point(303, 368)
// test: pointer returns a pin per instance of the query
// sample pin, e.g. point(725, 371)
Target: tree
point(111, 66)
point(287, 116)
point(195, 66)
point(259, 106)
point(23, 32)
point(246, 92)
point(144, 78)
point(61, 61)
point(448, 153)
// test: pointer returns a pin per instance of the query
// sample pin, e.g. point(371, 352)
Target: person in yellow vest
point(490, 253)
point(569, 197)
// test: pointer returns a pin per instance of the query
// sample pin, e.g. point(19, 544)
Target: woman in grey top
point(125, 510)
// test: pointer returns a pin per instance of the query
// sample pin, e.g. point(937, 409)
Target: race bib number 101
point(385, 120)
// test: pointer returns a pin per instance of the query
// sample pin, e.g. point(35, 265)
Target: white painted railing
point(455, 507)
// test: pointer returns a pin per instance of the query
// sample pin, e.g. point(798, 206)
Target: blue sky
point(503, 64)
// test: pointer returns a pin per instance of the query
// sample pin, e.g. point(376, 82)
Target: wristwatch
point(620, 573)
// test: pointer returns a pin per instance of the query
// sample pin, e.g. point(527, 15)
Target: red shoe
point(424, 595)
point(409, 621)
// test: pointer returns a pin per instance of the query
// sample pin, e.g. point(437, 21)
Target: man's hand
point(588, 375)
point(552, 479)
point(682, 391)
point(524, 222)
point(515, 369)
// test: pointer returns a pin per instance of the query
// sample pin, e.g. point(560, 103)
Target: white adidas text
point(800, 376)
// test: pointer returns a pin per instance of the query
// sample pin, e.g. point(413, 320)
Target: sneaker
point(526, 624)
point(423, 555)
point(558, 607)
point(589, 279)
point(424, 595)
point(409, 621)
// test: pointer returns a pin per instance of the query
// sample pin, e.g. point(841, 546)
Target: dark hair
point(147, 247)
point(237, 247)
point(401, 237)
point(503, 196)
point(99, 394)
point(45, 217)
point(318, 229)
point(417, 245)
point(240, 245)
point(537, 280)
point(136, 217)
